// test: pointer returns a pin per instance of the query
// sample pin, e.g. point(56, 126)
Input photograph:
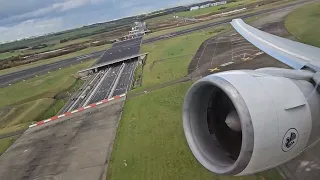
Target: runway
point(18, 76)
point(77, 147)
point(29, 73)
point(231, 51)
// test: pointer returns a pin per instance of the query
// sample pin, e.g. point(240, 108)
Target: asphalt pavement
point(121, 49)
point(18, 76)
point(76, 147)
point(128, 42)
point(117, 80)
point(107, 84)
point(125, 79)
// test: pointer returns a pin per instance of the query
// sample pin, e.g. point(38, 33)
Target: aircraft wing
point(295, 54)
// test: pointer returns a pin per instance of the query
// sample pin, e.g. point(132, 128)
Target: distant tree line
point(13, 49)
point(21, 60)
point(39, 46)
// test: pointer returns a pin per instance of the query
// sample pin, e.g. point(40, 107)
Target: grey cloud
point(31, 27)
point(10, 8)
point(50, 8)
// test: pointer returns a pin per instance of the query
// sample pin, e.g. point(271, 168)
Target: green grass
point(37, 98)
point(304, 24)
point(60, 102)
point(137, 77)
point(174, 68)
point(45, 86)
point(8, 54)
point(14, 128)
point(22, 115)
point(150, 140)
point(6, 143)
point(55, 59)
point(53, 110)
point(26, 112)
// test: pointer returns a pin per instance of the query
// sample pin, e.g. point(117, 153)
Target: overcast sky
point(25, 18)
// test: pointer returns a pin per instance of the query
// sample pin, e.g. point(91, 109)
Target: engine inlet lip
point(247, 144)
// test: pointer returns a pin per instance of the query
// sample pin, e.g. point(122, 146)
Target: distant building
point(205, 6)
point(194, 8)
point(219, 3)
point(138, 29)
point(208, 5)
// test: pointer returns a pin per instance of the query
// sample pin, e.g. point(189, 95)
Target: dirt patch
point(4, 111)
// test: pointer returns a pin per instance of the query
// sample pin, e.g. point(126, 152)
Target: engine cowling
point(243, 122)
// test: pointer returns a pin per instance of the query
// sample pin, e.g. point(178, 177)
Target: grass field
point(150, 143)
point(174, 67)
point(20, 116)
point(5, 143)
point(34, 99)
point(45, 86)
point(50, 47)
point(56, 59)
point(8, 54)
point(304, 24)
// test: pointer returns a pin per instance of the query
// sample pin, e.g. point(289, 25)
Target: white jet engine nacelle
point(243, 122)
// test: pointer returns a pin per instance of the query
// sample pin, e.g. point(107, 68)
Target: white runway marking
point(99, 103)
point(201, 56)
point(242, 43)
point(227, 64)
point(245, 50)
point(60, 116)
point(214, 42)
point(237, 40)
point(214, 51)
point(259, 53)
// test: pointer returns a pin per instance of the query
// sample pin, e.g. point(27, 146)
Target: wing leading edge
point(294, 54)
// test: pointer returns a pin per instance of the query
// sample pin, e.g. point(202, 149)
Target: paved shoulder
point(76, 148)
